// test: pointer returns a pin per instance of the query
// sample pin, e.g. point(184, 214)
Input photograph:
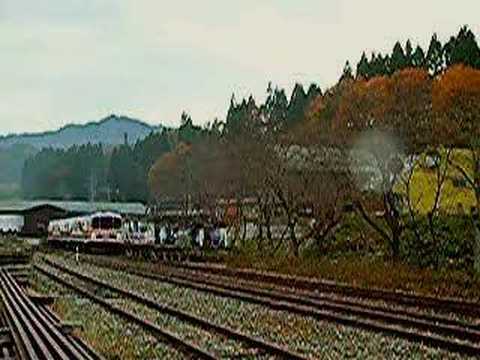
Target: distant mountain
point(109, 131)
point(15, 149)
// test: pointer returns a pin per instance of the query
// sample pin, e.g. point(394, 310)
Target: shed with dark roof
point(37, 214)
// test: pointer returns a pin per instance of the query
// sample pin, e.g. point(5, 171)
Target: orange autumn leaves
point(459, 84)
point(168, 170)
point(411, 103)
point(456, 103)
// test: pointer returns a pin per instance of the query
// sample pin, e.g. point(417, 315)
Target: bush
point(453, 246)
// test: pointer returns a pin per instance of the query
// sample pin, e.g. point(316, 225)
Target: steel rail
point(53, 334)
point(186, 347)
point(442, 324)
point(34, 335)
point(78, 342)
point(7, 346)
point(269, 347)
point(32, 340)
point(433, 323)
point(310, 308)
point(440, 304)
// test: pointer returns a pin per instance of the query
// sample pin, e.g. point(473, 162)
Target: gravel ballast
point(302, 334)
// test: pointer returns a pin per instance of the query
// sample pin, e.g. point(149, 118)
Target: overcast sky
point(65, 61)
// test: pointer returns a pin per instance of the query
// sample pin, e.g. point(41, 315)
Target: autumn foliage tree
point(420, 113)
point(396, 112)
point(456, 102)
point(300, 158)
point(363, 105)
point(170, 177)
point(400, 103)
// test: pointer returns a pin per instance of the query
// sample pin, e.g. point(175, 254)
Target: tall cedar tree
point(463, 49)
point(409, 53)
point(418, 58)
point(398, 60)
point(435, 56)
point(297, 106)
point(363, 67)
point(347, 73)
point(275, 108)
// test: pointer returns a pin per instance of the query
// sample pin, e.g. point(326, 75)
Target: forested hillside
point(396, 91)
point(120, 173)
point(462, 48)
point(109, 132)
point(301, 157)
point(313, 163)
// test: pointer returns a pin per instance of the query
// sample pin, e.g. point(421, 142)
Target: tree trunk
point(244, 230)
point(476, 248)
point(260, 237)
point(476, 215)
point(295, 250)
point(269, 233)
point(476, 244)
point(395, 245)
point(392, 219)
point(293, 239)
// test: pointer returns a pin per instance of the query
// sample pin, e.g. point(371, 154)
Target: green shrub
point(452, 245)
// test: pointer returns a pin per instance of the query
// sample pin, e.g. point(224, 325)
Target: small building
point(36, 218)
point(11, 224)
point(37, 214)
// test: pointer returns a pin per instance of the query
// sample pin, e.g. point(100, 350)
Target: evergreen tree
point(378, 65)
point(125, 176)
point(188, 132)
point(233, 117)
point(185, 119)
point(409, 53)
point(274, 110)
point(216, 128)
point(232, 109)
point(435, 57)
point(347, 72)
point(418, 58)
point(313, 92)
point(242, 118)
point(398, 61)
point(363, 67)
point(251, 109)
point(387, 61)
point(148, 150)
point(463, 49)
point(77, 173)
point(297, 106)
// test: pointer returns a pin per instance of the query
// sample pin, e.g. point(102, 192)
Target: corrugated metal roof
point(75, 206)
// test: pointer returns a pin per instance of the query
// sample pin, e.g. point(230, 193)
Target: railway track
point(434, 330)
point(12, 259)
point(7, 348)
point(187, 348)
point(254, 342)
point(34, 333)
point(438, 304)
point(131, 250)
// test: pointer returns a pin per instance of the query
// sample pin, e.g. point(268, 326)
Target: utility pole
point(108, 193)
point(93, 186)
